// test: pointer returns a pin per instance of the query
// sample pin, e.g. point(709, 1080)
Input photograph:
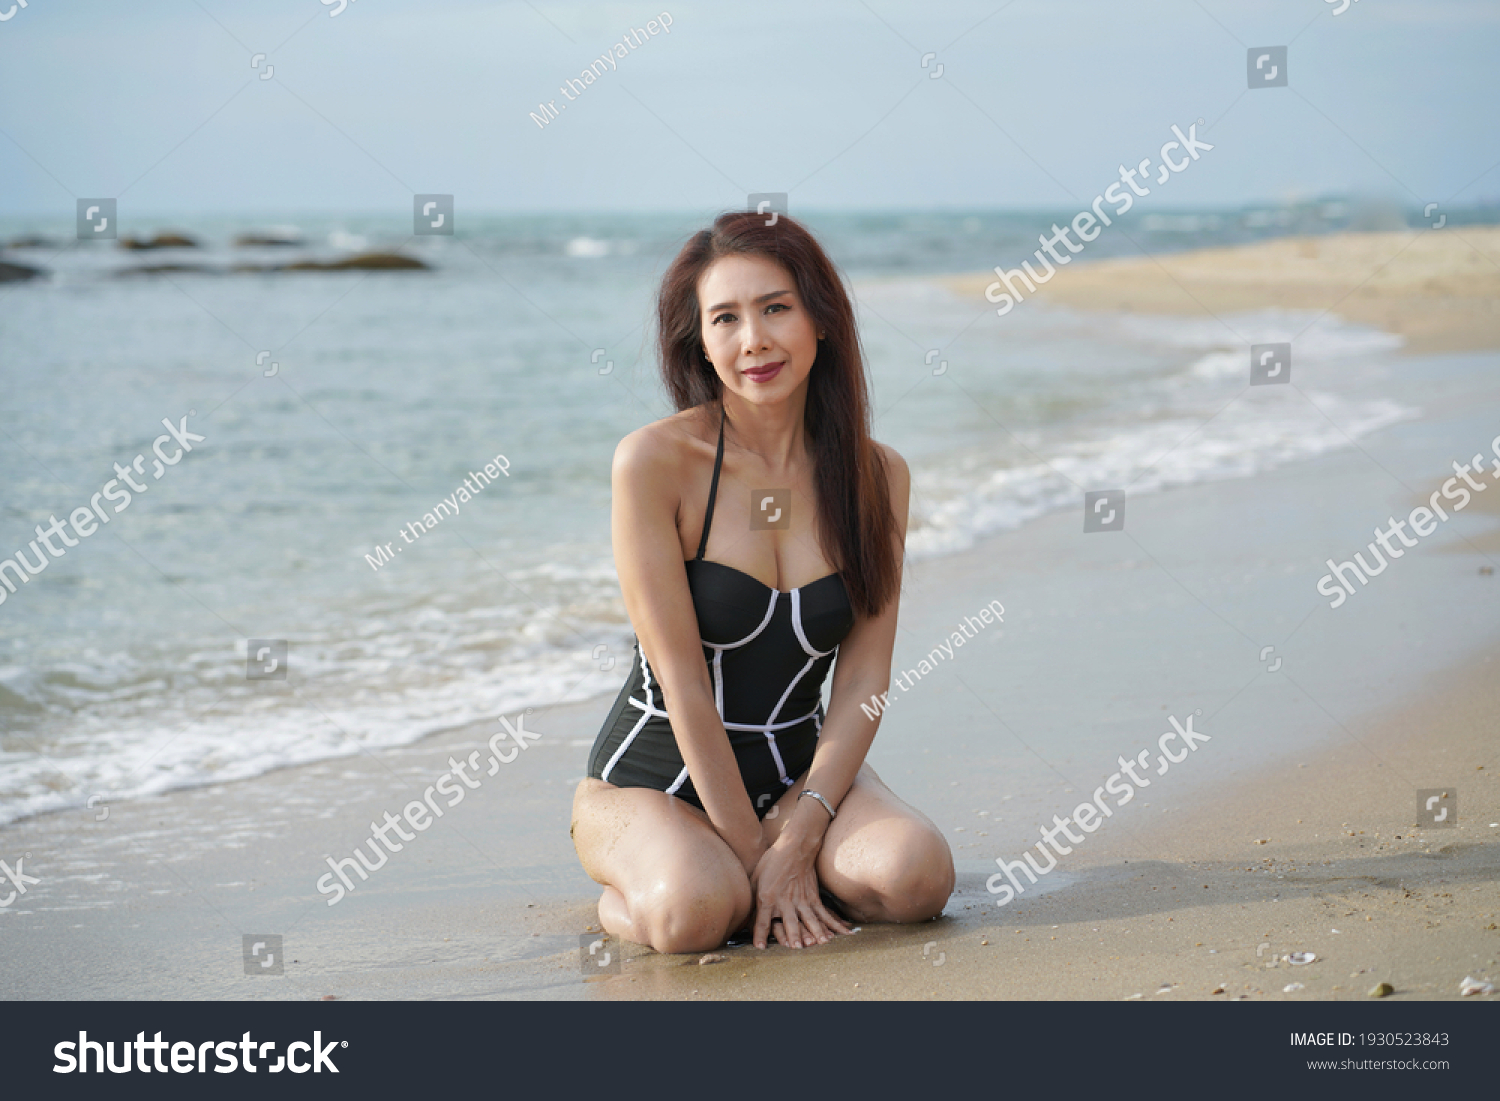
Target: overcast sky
point(1038, 103)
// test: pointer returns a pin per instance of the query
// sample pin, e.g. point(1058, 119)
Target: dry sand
point(1440, 289)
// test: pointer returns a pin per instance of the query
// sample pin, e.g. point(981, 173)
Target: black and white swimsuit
point(768, 653)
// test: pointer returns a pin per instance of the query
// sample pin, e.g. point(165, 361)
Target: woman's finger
point(814, 927)
point(763, 917)
point(826, 916)
point(791, 931)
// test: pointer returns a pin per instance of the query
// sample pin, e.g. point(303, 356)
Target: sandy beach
point(1292, 830)
point(1440, 289)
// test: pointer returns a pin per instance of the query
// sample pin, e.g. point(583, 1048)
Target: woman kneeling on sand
point(758, 532)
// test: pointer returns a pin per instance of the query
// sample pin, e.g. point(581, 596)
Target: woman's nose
point(754, 337)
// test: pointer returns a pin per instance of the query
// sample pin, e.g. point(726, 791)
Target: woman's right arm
point(650, 466)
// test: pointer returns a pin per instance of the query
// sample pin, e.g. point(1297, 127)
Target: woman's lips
point(764, 374)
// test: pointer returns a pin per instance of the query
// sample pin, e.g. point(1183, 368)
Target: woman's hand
point(785, 886)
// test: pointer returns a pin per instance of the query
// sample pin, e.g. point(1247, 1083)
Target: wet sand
point(1293, 823)
point(1318, 856)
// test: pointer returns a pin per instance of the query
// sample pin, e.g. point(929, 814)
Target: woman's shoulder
point(665, 447)
point(892, 457)
point(898, 473)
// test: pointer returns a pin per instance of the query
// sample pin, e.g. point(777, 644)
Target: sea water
point(339, 408)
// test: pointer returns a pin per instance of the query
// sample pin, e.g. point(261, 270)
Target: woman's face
point(759, 336)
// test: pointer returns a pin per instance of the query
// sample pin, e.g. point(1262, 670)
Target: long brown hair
point(854, 500)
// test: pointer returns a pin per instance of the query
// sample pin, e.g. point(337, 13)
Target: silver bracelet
point(832, 814)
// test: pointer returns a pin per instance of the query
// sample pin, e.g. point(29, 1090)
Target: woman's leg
point(670, 881)
point(882, 859)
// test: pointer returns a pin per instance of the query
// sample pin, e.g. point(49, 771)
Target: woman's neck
point(773, 433)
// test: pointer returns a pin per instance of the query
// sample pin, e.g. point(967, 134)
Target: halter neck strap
point(713, 489)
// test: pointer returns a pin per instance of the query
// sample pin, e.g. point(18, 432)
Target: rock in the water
point(281, 236)
point(161, 240)
point(17, 273)
point(366, 261)
point(370, 261)
point(168, 269)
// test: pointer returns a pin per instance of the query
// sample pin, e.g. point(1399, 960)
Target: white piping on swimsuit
point(645, 714)
point(649, 710)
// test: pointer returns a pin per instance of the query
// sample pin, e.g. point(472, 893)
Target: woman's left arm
point(786, 878)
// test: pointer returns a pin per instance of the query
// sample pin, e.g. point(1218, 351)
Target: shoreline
point(1253, 847)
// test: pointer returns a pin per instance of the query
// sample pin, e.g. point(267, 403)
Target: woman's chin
point(776, 392)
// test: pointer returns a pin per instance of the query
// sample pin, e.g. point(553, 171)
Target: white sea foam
point(1168, 452)
point(390, 678)
point(588, 247)
point(1186, 428)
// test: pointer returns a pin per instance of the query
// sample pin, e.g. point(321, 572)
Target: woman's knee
point(927, 878)
point(691, 913)
point(906, 875)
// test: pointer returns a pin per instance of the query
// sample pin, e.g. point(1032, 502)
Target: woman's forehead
point(750, 275)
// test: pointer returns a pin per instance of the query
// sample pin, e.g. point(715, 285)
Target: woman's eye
point(722, 317)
